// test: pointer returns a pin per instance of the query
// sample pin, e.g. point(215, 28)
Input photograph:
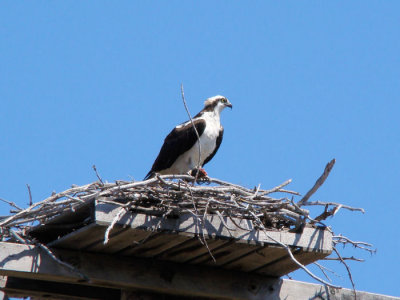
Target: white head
point(216, 104)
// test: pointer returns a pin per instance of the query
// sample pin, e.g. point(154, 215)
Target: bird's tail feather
point(149, 175)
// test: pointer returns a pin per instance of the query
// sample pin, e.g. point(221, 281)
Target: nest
point(274, 208)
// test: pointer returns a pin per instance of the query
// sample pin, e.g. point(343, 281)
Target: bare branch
point(320, 203)
point(30, 194)
point(195, 130)
point(318, 183)
point(340, 239)
point(11, 203)
point(348, 271)
point(323, 269)
point(97, 174)
point(344, 258)
point(114, 221)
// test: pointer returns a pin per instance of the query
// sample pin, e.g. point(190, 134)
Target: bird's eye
point(223, 100)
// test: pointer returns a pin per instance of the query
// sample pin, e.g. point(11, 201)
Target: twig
point(114, 221)
point(224, 223)
point(97, 174)
point(30, 194)
point(197, 134)
point(320, 203)
point(11, 203)
point(277, 188)
point(345, 258)
point(18, 237)
point(348, 271)
point(292, 256)
point(318, 183)
point(323, 269)
point(200, 224)
point(340, 239)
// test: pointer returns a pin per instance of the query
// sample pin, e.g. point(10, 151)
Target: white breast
point(189, 160)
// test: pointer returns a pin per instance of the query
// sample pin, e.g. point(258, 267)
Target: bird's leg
point(202, 174)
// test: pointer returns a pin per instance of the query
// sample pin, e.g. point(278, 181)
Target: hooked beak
point(229, 105)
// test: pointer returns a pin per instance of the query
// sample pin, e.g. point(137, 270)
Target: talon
point(202, 173)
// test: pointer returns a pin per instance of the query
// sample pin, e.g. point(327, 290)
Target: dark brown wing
point(177, 142)
point(217, 144)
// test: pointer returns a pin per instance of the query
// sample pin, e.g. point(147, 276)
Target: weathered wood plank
point(282, 267)
point(187, 250)
point(224, 254)
point(256, 258)
point(118, 240)
point(312, 239)
point(156, 244)
point(63, 224)
point(80, 238)
point(85, 237)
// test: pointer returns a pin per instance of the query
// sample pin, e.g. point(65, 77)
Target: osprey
point(180, 152)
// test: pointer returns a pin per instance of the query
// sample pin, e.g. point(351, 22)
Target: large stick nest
point(165, 195)
point(176, 194)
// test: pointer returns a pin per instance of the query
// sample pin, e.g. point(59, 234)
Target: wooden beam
point(22, 287)
point(26, 265)
point(295, 290)
point(27, 261)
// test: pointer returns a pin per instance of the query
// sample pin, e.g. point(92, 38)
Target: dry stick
point(18, 237)
point(288, 192)
point(195, 130)
point(47, 200)
point(256, 192)
point(97, 174)
point(201, 223)
point(30, 194)
point(329, 270)
point(339, 239)
point(225, 183)
point(239, 226)
point(11, 203)
point(344, 258)
point(275, 189)
point(291, 255)
point(318, 183)
point(348, 271)
point(334, 204)
point(224, 223)
point(114, 221)
point(301, 265)
point(322, 268)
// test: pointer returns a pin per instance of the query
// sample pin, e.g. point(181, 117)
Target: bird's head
point(216, 103)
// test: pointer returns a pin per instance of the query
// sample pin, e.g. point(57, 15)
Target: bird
point(180, 152)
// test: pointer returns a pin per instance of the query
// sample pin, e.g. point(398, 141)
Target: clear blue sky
point(85, 83)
